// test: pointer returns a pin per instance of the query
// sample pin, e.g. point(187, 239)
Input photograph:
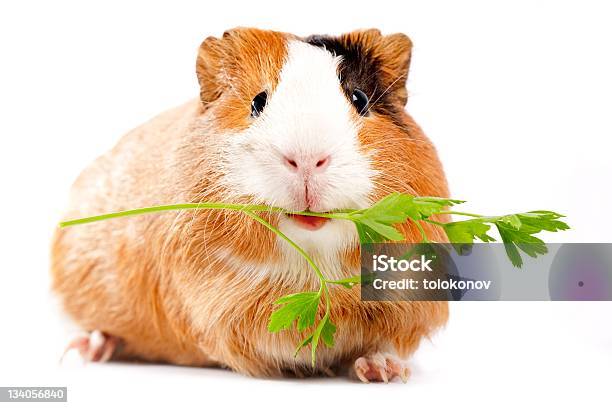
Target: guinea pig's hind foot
point(93, 347)
point(380, 367)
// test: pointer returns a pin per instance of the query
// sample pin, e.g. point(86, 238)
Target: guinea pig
point(315, 123)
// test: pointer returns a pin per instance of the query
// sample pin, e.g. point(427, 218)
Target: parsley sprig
point(375, 224)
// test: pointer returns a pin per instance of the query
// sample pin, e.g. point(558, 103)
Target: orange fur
point(166, 284)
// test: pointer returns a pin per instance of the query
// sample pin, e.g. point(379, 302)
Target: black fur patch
point(360, 69)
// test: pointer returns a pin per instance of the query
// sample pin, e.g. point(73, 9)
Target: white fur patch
point(307, 115)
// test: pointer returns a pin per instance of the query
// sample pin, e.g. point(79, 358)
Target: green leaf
point(522, 237)
point(543, 221)
point(327, 333)
point(512, 220)
point(511, 248)
point(348, 282)
point(325, 330)
point(516, 231)
point(368, 235)
point(464, 232)
point(297, 306)
point(424, 207)
point(302, 344)
point(522, 240)
point(375, 224)
point(382, 230)
point(392, 209)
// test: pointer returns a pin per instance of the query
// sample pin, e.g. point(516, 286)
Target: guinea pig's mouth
point(308, 222)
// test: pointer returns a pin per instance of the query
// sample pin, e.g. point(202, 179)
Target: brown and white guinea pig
point(313, 123)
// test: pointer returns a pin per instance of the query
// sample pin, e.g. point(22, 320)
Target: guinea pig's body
point(279, 122)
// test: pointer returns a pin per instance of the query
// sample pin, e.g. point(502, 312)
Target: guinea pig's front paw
point(94, 347)
point(380, 367)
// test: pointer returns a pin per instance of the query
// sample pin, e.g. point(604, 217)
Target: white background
point(516, 97)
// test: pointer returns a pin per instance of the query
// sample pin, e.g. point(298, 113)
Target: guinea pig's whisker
point(376, 74)
point(388, 189)
point(385, 142)
point(385, 92)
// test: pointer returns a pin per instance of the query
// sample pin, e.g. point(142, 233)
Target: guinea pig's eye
point(258, 103)
point(360, 101)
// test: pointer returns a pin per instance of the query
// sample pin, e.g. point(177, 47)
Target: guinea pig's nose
point(307, 164)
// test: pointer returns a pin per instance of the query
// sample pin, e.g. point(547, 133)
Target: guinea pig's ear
point(396, 51)
point(208, 66)
point(243, 60)
point(390, 54)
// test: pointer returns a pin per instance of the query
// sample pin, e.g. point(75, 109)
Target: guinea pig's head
point(315, 124)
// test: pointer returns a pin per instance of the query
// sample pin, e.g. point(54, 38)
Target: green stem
point(247, 209)
point(420, 227)
point(323, 289)
point(461, 213)
point(289, 241)
point(313, 356)
point(491, 219)
point(192, 206)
